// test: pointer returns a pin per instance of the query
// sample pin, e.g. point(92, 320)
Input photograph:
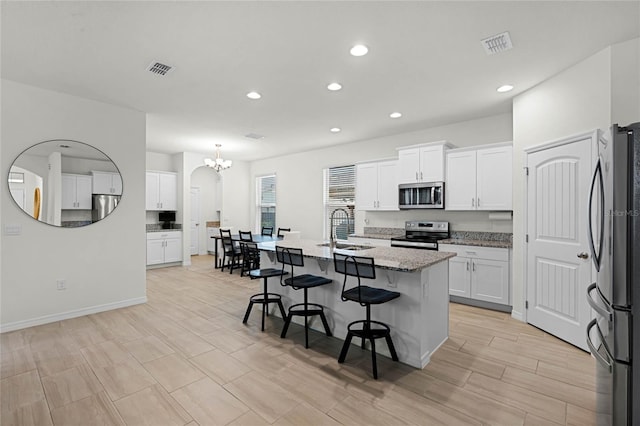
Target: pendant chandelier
point(218, 164)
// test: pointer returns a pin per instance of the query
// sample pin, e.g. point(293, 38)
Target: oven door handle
point(595, 306)
point(601, 359)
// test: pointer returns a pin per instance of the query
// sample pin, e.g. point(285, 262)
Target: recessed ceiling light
point(335, 129)
point(505, 88)
point(254, 95)
point(359, 50)
point(395, 115)
point(334, 86)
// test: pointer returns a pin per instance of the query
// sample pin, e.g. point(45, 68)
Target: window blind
point(339, 199)
point(266, 198)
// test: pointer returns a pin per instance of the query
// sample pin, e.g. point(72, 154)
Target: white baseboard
point(517, 315)
point(17, 325)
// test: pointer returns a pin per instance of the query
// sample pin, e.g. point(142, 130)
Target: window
point(339, 198)
point(266, 201)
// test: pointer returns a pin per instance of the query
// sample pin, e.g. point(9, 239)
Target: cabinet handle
point(421, 178)
point(473, 264)
point(467, 265)
point(473, 202)
point(478, 202)
point(416, 176)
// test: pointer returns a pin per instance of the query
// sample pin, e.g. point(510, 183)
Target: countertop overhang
point(392, 258)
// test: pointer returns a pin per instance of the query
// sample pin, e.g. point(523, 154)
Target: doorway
point(195, 221)
point(558, 267)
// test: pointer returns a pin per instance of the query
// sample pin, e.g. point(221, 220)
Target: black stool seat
point(306, 281)
point(265, 297)
point(367, 329)
point(293, 257)
point(370, 295)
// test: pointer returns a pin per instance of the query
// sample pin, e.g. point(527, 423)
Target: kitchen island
point(419, 318)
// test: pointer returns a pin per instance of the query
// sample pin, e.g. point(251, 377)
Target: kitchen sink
point(346, 246)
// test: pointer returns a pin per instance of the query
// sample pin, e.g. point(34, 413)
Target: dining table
point(236, 237)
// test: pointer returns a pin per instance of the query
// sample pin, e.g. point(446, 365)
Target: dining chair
point(230, 251)
point(281, 230)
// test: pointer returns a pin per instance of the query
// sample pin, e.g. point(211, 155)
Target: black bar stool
point(231, 251)
point(293, 257)
point(363, 267)
point(251, 250)
point(267, 231)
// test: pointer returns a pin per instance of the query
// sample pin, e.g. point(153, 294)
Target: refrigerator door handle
point(595, 306)
point(597, 174)
point(601, 359)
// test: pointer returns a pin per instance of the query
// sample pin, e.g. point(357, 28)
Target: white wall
point(575, 101)
point(625, 82)
point(104, 263)
point(299, 177)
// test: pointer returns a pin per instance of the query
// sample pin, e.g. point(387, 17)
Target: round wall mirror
point(65, 183)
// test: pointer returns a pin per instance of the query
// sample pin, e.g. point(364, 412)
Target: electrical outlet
point(61, 284)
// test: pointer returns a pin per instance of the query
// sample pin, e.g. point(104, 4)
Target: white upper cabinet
point(76, 192)
point(422, 163)
point(107, 183)
point(161, 191)
point(377, 185)
point(479, 179)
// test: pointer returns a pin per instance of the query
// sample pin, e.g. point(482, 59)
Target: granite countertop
point(380, 233)
point(480, 239)
point(392, 258)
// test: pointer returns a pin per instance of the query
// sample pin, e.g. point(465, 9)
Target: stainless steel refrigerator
point(613, 335)
point(103, 205)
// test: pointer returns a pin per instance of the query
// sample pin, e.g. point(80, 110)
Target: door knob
point(583, 255)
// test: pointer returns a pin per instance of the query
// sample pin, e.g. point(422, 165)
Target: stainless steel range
point(422, 235)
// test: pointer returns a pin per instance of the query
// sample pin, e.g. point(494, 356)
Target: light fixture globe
point(218, 164)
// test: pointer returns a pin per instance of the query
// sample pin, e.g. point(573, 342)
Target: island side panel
point(435, 309)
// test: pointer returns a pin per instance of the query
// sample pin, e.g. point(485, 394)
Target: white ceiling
point(425, 60)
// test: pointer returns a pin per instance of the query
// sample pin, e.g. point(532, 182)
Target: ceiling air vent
point(497, 43)
point(159, 68)
point(254, 136)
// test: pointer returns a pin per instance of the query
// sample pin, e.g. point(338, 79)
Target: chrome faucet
point(332, 228)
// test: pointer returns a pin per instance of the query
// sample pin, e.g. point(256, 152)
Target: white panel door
point(558, 269)
point(494, 178)
point(155, 252)
point(168, 191)
point(152, 190)
point(366, 186)
point(490, 281)
point(172, 250)
point(432, 163)
point(408, 165)
point(460, 187)
point(68, 192)
point(388, 185)
point(102, 183)
point(195, 221)
point(83, 192)
point(116, 182)
point(460, 276)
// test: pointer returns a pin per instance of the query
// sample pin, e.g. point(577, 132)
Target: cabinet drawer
point(475, 252)
point(163, 235)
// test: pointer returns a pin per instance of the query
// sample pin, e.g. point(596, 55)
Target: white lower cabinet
point(164, 247)
point(479, 273)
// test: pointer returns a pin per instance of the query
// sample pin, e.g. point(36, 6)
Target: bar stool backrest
point(245, 236)
point(289, 256)
point(281, 230)
point(354, 266)
point(227, 242)
point(267, 231)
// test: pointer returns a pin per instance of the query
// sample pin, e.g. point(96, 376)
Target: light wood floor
point(185, 358)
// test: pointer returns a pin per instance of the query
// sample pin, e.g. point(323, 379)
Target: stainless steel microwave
point(423, 195)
